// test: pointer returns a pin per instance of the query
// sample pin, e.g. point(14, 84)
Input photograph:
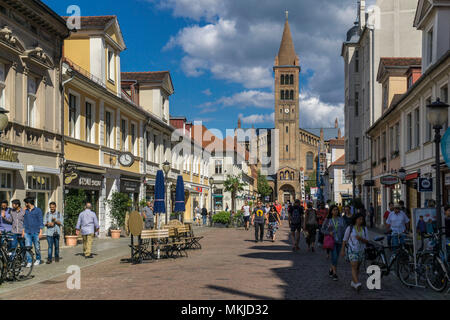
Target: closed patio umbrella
point(179, 196)
point(160, 204)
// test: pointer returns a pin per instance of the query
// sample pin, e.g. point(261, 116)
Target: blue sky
point(220, 53)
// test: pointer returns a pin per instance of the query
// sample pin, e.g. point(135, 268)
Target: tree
point(311, 183)
point(264, 188)
point(234, 184)
point(74, 204)
point(119, 204)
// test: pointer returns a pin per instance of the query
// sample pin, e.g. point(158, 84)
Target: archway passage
point(286, 194)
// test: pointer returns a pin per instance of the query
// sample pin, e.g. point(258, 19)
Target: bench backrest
point(182, 229)
point(155, 234)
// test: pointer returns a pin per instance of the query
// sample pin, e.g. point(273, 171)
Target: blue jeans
point(30, 240)
point(335, 254)
point(396, 241)
point(17, 240)
point(53, 241)
point(204, 220)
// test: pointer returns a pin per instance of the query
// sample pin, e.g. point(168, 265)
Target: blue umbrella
point(179, 196)
point(160, 205)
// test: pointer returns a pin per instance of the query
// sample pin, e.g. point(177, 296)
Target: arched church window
point(292, 95)
point(282, 95)
point(286, 94)
point(287, 175)
point(282, 79)
point(281, 176)
point(292, 176)
point(309, 161)
point(292, 79)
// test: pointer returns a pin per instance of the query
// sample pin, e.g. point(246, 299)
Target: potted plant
point(74, 204)
point(221, 219)
point(119, 205)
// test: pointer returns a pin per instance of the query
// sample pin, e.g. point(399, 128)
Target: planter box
point(219, 225)
point(71, 241)
point(115, 234)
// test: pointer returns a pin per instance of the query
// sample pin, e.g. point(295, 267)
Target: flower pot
point(71, 241)
point(115, 234)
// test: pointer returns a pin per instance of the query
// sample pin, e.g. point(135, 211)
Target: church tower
point(287, 121)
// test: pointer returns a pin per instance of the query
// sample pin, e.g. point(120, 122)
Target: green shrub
point(74, 205)
point(222, 217)
point(119, 203)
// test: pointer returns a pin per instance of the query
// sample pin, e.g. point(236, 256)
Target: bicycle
point(376, 255)
point(437, 273)
point(15, 266)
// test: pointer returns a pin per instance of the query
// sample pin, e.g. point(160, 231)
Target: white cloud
point(244, 99)
point(318, 114)
point(207, 92)
point(196, 9)
point(257, 118)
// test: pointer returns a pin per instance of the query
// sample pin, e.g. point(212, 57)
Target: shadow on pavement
point(237, 292)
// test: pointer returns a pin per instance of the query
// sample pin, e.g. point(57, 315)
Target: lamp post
point(332, 187)
point(3, 120)
point(166, 169)
point(211, 184)
point(353, 165)
point(437, 115)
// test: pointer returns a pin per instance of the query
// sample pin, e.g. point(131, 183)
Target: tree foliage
point(119, 204)
point(75, 202)
point(234, 184)
point(264, 188)
point(311, 183)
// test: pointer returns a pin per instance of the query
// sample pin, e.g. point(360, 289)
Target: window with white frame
point(417, 127)
point(345, 180)
point(219, 166)
point(409, 131)
point(392, 140)
point(429, 127)
point(397, 137)
point(31, 102)
point(124, 134)
point(133, 138)
point(89, 122)
point(73, 115)
point(2, 85)
point(444, 98)
point(430, 35)
point(111, 65)
point(108, 129)
point(39, 183)
point(384, 146)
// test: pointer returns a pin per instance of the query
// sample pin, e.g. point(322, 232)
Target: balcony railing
point(85, 73)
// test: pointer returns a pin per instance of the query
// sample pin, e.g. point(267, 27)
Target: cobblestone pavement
point(230, 266)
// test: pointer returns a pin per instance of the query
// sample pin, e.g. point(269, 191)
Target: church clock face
point(286, 111)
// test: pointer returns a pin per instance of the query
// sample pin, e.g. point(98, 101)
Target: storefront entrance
point(131, 187)
point(90, 183)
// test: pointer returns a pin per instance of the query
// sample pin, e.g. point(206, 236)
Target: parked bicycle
point(14, 265)
point(437, 273)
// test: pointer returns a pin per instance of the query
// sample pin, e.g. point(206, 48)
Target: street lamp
point(402, 175)
point(211, 184)
point(437, 115)
point(166, 169)
point(353, 165)
point(332, 186)
point(3, 120)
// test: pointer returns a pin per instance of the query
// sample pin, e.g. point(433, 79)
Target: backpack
point(312, 218)
point(296, 217)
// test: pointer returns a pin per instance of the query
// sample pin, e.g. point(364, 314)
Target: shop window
point(5, 180)
point(39, 188)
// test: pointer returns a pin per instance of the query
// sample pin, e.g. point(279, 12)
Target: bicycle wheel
point(406, 270)
point(20, 265)
point(436, 275)
point(380, 262)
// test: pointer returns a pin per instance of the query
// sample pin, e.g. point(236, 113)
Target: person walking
point(348, 216)
point(258, 220)
point(204, 215)
point(33, 223)
point(17, 216)
point(53, 221)
point(5, 218)
point(335, 227)
point(273, 219)
point(88, 225)
point(310, 226)
point(371, 215)
point(322, 214)
point(246, 213)
point(149, 216)
point(397, 224)
point(295, 223)
point(355, 239)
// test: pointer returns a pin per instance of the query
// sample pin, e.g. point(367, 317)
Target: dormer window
point(111, 66)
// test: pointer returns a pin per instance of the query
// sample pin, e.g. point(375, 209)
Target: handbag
point(328, 242)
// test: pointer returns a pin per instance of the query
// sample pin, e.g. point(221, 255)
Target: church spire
point(286, 54)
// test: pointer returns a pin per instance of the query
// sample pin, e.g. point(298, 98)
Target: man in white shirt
point(397, 223)
point(246, 209)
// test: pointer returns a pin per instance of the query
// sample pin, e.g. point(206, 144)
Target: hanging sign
point(389, 180)
point(425, 185)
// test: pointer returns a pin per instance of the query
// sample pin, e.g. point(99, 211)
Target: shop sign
point(425, 185)
point(82, 180)
point(127, 186)
point(6, 154)
point(198, 189)
point(389, 180)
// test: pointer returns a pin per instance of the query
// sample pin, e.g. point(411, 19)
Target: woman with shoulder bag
point(334, 228)
point(310, 225)
point(355, 240)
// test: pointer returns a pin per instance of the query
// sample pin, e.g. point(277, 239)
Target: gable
point(112, 29)
point(423, 9)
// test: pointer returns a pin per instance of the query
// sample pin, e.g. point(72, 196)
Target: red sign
point(389, 180)
point(199, 189)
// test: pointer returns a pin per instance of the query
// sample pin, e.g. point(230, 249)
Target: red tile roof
point(339, 162)
point(401, 62)
point(145, 76)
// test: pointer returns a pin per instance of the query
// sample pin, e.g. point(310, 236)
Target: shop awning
point(46, 170)
point(11, 165)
